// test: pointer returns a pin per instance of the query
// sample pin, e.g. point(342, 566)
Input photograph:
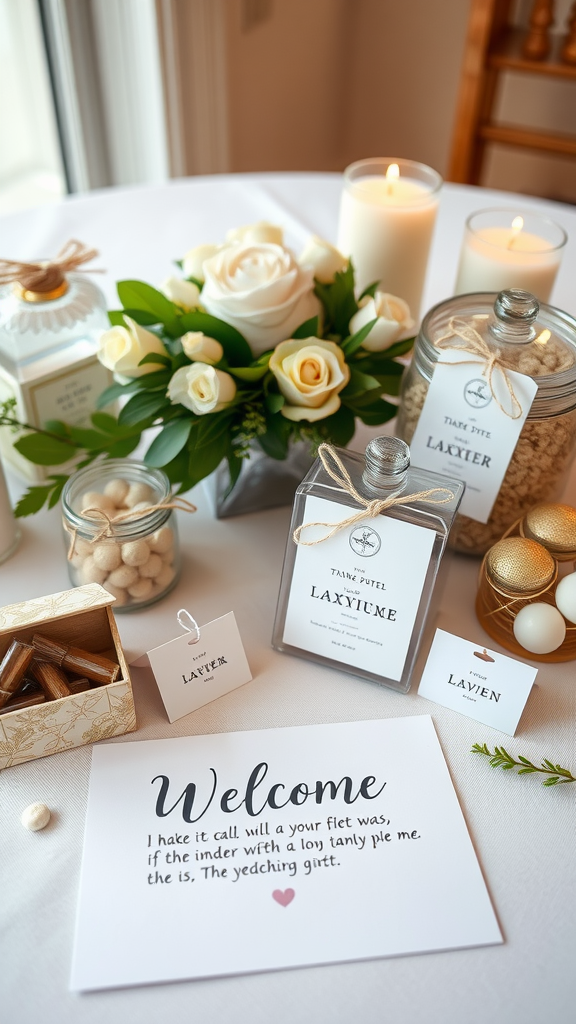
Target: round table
point(523, 833)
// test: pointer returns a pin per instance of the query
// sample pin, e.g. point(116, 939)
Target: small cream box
point(81, 617)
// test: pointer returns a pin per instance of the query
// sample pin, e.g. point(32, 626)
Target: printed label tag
point(191, 673)
point(354, 598)
point(462, 432)
point(481, 684)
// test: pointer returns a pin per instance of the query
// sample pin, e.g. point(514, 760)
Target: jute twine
point(475, 344)
point(370, 508)
point(107, 530)
point(48, 275)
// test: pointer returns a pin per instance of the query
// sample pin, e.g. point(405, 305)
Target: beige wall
point(316, 84)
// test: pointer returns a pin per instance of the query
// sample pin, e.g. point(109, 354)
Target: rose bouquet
point(250, 346)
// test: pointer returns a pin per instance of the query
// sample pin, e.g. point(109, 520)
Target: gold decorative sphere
point(518, 565)
point(553, 526)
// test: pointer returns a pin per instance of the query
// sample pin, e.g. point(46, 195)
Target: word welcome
point(229, 803)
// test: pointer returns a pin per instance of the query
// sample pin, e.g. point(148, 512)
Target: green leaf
point(103, 421)
point(43, 450)
point(57, 427)
point(116, 317)
point(169, 442)
point(136, 295)
point(205, 459)
point(399, 348)
point(370, 290)
point(125, 446)
point(236, 348)
point(113, 393)
point(552, 781)
point(309, 329)
point(234, 468)
point(156, 358)
point(141, 407)
point(359, 383)
point(249, 373)
point(340, 426)
point(156, 379)
point(141, 316)
point(354, 342)
point(274, 402)
point(210, 427)
point(91, 439)
point(32, 501)
point(338, 301)
point(275, 441)
point(375, 414)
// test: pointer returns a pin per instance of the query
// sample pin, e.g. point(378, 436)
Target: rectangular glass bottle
point(356, 598)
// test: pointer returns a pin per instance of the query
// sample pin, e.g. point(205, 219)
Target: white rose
point(310, 374)
point(261, 290)
point(201, 388)
point(392, 317)
point(324, 259)
point(193, 261)
point(200, 348)
point(183, 293)
point(254, 233)
point(121, 348)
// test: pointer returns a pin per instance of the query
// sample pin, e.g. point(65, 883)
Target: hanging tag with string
point(199, 666)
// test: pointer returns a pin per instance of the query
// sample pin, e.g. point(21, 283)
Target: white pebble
point(162, 540)
point(117, 490)
point(137, 493)
point(165, 577)
point(107, 555)
point(141, 589)
point(93, 499)
point(135, 552)
point(90, 572)
point(35, 817)
point(124, 576)
point(119, 593)
point(152, 567)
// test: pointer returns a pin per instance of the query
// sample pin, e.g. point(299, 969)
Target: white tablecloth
point(522, 832)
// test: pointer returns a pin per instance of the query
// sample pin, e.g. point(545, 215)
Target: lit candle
point(501, 250)
point(387, 217)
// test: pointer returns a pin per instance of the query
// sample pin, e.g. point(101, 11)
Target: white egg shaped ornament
point(566, 597)
point(539, 628)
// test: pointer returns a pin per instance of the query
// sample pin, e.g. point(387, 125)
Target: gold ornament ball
point(553, 526)
point(520, 566)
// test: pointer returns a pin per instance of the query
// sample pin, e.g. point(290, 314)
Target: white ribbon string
point(184, 618)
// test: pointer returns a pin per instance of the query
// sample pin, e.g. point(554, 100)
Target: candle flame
point(517, 225)
point(392, 175)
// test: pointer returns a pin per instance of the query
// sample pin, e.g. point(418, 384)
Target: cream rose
point(310, 374)
point(183, 293)
point(261, 290)
point(121, 348)
point(201, 388)
point(251, 234)
point(193, 262)
point(200, 348)
point(323, 258)
point(392, 317)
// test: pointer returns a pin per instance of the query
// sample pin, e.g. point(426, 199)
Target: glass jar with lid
point(534, 339)
point(119, 532)
point(51, 316)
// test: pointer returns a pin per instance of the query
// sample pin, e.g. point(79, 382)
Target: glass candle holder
point(387, 216)
point(509, 248)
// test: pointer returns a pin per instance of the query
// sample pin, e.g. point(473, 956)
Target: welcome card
point(253, 851)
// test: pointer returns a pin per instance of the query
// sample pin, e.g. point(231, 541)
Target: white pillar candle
point(502, 249)
point(9, 532)
point(387, 217)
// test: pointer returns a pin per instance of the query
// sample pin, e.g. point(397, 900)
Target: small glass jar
point(536, 340)
point(116, 535)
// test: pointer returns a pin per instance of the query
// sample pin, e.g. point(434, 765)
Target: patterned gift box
point(80, 617)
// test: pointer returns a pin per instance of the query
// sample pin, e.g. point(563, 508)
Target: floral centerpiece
point(251, 346)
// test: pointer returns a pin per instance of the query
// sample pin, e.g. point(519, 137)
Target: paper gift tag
point(481, 684)
point(463, 432)
point(192, 671)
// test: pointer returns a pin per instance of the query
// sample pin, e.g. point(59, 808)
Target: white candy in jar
point(124, 576)
point(107, 555)
point(93, 499)
point(137, 493)
point(117, 491)
point(135, 552)
point(152, 567)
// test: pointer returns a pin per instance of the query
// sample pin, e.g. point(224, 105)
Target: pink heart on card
point(283, 898)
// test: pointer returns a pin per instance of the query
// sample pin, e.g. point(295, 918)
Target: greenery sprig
point(502, 759)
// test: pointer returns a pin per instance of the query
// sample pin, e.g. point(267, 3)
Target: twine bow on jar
point(108, 529)
point(475, 344)
point(47, 278)
point(370, 507)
